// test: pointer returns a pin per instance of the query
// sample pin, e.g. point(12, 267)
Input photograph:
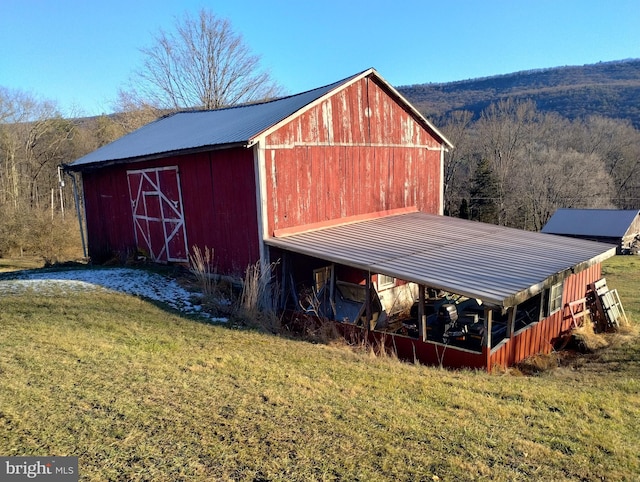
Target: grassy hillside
point(609, 89)
point(139, 393)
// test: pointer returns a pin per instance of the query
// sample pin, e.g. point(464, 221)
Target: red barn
point(343, 184)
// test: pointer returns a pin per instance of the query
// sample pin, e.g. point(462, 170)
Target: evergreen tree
point(464, 209)
point(483, 206)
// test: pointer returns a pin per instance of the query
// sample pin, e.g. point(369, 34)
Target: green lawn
point(138, 393)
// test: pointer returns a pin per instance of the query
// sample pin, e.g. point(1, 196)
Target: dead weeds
point(585, 351)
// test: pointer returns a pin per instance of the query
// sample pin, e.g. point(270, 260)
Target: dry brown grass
point(538, 364)
point(34, 232)
point(586, 340)
point(19, 263)
point(258, 300)
point(201, 264)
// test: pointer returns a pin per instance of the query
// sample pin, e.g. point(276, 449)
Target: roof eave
point(414, 111)
point(150, 157)
point(525, 294)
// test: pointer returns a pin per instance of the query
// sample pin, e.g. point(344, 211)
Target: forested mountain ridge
point(607, 89)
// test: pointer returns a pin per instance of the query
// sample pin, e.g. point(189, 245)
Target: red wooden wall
point(219, 199)
point(109, 220)
point(357, 152)
point(541, 337)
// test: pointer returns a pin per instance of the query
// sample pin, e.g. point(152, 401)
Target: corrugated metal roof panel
point(609, 223)
point(496, 264)
point(197, 129)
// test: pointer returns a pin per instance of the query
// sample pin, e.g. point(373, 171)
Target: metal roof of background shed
point(601, 223)
point(501, 266)
point(208, 129)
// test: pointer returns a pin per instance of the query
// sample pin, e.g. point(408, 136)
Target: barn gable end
point(356, 152)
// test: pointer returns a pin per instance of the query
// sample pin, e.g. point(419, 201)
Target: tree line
point(515, 165)
point(35, 139)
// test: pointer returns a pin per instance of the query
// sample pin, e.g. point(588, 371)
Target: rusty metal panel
point(539, 338)
point(410, 349)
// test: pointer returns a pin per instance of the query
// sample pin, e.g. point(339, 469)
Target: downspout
point(261, 200)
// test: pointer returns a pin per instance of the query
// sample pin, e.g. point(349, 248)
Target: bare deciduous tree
point(457, 128)
point(528, 164)
point(202, 64)
point(33, 136)
point(34, 140)
point(617, 143)
point(559, 179)
point(503, 130)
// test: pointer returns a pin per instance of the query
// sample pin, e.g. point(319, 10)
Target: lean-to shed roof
point(194, 131)
point(601, 223)
point(501, 266)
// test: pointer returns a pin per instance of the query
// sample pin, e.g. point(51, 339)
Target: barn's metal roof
point(184, 131)
point(203, 130)
point(502, 266)
point(601, 223)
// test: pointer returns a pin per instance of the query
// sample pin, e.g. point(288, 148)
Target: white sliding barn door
point(158, 217)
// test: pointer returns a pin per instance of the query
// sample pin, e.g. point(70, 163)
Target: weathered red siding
point(219, 198)
point(541, 337)
point(357, 152)
point(108, 213)
point(220, 210)
point(413, 350)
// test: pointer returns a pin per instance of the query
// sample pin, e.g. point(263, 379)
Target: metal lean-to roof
point(501, 266)
point(203, 130)
point(606, 223)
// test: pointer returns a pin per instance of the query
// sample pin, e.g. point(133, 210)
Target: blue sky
point(79, 53)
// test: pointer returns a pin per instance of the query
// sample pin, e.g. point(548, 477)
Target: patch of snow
point(135, 282)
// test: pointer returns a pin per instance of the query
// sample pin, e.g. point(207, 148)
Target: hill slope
point(610, 89)
point(139, 392)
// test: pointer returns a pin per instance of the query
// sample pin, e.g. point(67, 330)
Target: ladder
point(608, 305)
